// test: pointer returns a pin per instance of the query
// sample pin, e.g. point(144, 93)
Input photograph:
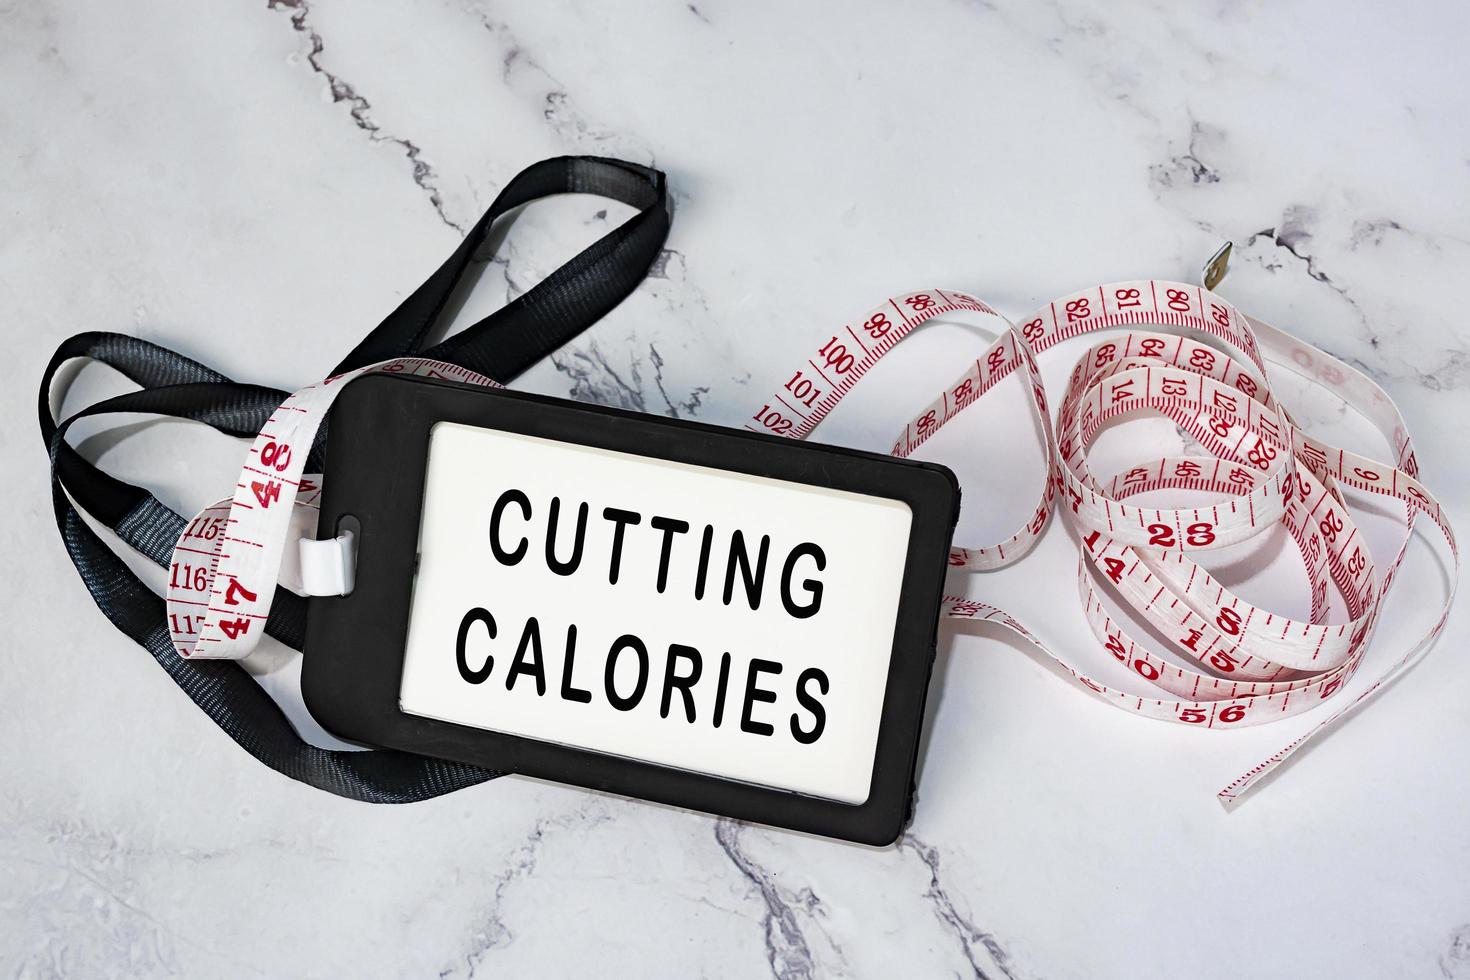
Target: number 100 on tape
point(693, 615)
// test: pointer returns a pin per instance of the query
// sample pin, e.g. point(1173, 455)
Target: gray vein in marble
point(496, 933)
point(594, 379)
point(1293, 235)
point(1188, 444)
point(1372, 232)
point(660, 267)
point(107, 857)
point(593, 376)
point(1077, 24)
point(1455, 963)
point(506, 260)
point(1073, 38)
point(690, 405)
point(525, 75)
point(1188, 163)
point(361, 108)
point(986, 957)
point(786, 946)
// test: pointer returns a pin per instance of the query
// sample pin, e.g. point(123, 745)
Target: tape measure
point(1176, 350)
point(1182, 352)
point(229, 560)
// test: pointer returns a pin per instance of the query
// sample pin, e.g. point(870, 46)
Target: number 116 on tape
point(698, 616)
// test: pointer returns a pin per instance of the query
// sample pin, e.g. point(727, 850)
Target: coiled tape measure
point(1236, 664)
point(683, 613)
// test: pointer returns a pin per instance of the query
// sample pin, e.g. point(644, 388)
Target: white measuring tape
point(228, 561)
point(1176, 350)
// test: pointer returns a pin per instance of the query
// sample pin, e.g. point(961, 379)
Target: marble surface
point(222, 176)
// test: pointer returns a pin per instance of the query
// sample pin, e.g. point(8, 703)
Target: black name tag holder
point(352, 680)
point(353, 675)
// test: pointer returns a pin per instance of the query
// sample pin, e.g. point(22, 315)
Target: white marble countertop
point(206, 175)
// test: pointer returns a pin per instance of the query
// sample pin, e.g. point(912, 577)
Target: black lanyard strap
point(500, 346)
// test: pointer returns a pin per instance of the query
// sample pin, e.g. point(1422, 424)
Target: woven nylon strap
point(500, 346)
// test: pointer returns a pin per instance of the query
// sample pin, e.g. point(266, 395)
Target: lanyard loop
point(501, 346)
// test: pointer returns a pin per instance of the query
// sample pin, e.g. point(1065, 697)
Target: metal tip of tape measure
point(1216, 268)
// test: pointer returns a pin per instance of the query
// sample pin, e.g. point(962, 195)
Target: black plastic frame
point(376, 461)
